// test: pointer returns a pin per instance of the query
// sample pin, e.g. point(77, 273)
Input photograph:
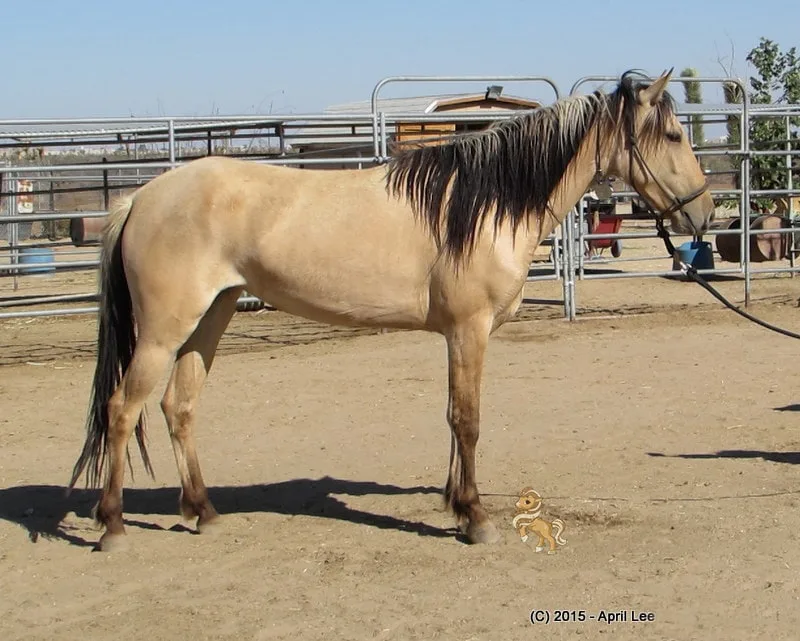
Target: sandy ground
point(661, 428)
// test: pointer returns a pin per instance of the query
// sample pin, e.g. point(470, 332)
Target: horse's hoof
point(540, 548)
point(483, 533)
point(211, 527)
point(110, 542)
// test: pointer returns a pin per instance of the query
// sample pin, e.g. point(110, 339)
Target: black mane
point(513, 167)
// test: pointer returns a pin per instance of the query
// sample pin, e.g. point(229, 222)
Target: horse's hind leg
point(545, 535)
point(180, 401)
point(466, 345)
point(149, 362)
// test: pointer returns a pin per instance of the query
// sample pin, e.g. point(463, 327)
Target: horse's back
point(328, 244)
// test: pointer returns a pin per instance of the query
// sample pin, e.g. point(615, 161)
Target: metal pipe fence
point(146, 147)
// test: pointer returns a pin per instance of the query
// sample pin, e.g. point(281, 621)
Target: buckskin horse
point(438, 239)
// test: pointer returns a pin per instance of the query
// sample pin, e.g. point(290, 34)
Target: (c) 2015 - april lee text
point(601, 616)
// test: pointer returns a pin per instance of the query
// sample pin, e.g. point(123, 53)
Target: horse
point(528, 519)
point(439, 239)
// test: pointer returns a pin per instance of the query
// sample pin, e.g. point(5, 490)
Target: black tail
point(116, 340)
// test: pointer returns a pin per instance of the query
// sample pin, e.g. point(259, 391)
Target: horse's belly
point(344, 292)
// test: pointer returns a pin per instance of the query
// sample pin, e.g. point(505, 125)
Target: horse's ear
point(649, 96)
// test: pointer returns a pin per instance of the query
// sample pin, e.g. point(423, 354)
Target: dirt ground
point(661, 428)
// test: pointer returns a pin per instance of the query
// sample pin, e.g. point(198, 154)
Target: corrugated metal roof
point(412, 104)
point(417, 104)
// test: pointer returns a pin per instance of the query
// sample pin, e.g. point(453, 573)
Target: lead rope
point(691, 273)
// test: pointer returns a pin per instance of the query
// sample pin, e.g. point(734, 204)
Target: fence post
point(105, 186)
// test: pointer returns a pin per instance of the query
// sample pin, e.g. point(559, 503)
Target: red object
point(606, 224)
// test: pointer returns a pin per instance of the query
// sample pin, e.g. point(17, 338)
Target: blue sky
point(174, 57)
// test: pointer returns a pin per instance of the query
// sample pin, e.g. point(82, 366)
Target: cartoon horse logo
point(527, 520)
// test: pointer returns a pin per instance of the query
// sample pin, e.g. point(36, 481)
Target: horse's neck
point(573, 185)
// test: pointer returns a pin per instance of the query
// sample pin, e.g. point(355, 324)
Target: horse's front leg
point(466, 346)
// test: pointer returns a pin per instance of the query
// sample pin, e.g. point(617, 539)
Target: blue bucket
point(36, 256)
point(696, 253)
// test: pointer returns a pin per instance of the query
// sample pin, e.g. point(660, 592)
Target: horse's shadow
point(40, 509)
point(794, 407)
point(791, 458)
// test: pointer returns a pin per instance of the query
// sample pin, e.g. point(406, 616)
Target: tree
point(733, 96)
point(780, 74)
point(777, 82)
point(694, 96)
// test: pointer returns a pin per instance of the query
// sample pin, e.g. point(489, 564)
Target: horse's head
point(529, 501)
point(654, 156)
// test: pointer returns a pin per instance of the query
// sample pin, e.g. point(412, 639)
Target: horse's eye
point(674, 136)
